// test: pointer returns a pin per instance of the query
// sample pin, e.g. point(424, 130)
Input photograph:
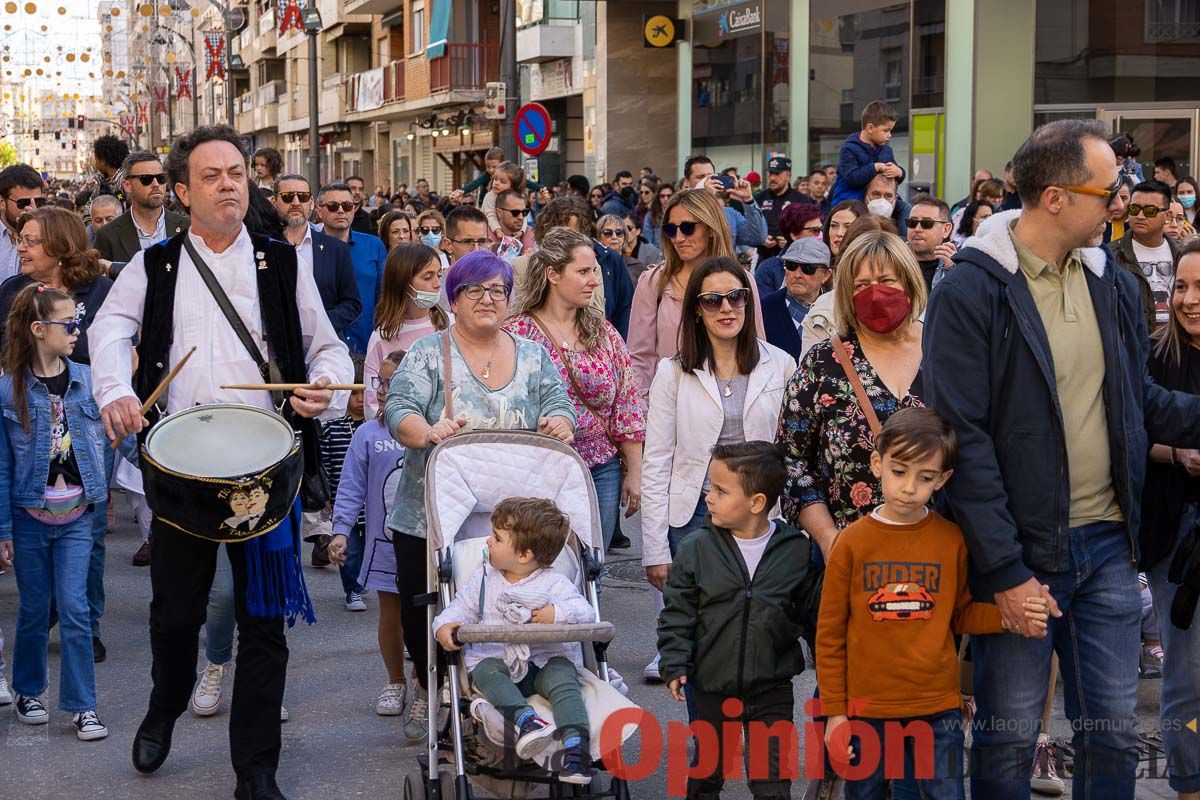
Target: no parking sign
point(532, 129)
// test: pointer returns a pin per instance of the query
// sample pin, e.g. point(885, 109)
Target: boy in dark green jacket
point(740, 594)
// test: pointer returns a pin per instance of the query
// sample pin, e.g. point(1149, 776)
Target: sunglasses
point(26, 202)
point(1108, 194)
point(146, 180)
point(646, 191)
point(516, 212)
point(71, 327)
point(712, 301)
point(289, 197)
point(611, 232)
point(1150, 211)
point(811, 230)
point(686, 228)
point(331, 207)
point(431, 230)
point(807, 269)
point(926, 224)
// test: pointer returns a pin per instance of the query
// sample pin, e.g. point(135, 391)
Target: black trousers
point(766, 705)
point(411, 567)
point(181, 574)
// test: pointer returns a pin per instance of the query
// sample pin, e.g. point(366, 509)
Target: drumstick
point(162, 387)
point(287, 387)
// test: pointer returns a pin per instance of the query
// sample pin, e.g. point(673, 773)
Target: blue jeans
point(220, 618)
point(53, 560)
point(355, 544)
point(95, 578)
point(606, 478)
point(675, 537)
point(1098, 644)
point(947, 780)
point(1180, 691)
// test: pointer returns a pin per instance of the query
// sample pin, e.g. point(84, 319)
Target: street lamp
point(312, 26)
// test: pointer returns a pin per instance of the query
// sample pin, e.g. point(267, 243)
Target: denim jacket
point(25, 455)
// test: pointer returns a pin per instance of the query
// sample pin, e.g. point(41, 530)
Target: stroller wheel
point(417, 787)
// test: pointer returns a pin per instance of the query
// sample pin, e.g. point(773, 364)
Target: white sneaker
point(207, 696)
point(391, 700)
point(416, 727)
point(6, 697)
point(651, 672)
point(31, 711)
point(354, 602)
point(283, 714)
point(88, 726)
point(1045, 778)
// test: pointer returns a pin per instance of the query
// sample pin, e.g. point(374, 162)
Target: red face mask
point(881, 308)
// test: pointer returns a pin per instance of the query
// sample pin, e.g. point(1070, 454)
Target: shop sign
point(730, 22)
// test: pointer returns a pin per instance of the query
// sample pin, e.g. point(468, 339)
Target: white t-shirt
point(878, 517)
point(1157, 265)
point(753, 549)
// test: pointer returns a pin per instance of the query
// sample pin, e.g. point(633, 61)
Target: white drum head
point(220, 441)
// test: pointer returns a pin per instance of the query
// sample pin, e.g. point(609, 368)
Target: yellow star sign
point(659, 31)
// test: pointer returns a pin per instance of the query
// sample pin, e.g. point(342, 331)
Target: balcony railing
point(270, 93)
point(266, 22)
point(464, 66)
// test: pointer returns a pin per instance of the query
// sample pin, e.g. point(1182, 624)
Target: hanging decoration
point(289, 16)
point(143, 114)
point(159, 90)
point(183, 79)
point(214, 49)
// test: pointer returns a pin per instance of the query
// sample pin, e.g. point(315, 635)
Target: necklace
point(486, 372)
point(728, 391)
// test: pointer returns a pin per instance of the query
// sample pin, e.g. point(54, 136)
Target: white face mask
point(880, 207)
point(425, 299)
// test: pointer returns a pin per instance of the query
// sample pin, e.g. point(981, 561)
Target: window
point(1172, 21)
point(418, 28)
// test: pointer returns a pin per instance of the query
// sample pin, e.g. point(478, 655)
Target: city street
point(334, 745)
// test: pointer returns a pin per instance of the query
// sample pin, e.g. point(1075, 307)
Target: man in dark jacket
point(147, 222)
point(778, 195)
point(1035, 351)
point(327, 257)
point(807, 268)
point(622, 199)
point(362, 219)
point(1146, 252)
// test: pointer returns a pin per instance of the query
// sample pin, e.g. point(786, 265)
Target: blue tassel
point(275, 573)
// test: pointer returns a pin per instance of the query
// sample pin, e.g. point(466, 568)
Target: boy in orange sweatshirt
point(895, 595)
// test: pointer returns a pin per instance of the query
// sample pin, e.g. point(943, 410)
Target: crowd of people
point(829, 400)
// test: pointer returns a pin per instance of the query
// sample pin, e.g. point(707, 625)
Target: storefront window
point(1100, 52)
point(727, 82)
point(859, 56)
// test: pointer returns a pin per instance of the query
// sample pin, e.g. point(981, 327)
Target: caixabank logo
point(736, 20)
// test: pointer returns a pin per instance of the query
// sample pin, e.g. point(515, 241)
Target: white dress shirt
point(304, 249)
point(220, 357)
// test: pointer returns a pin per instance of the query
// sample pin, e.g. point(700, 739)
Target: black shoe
point(142, 557)
point(152, 743)
point(99, 651)
point(620, 541)
point(53, 620)
point(258, 787)
point(576, 765)
point(320, 551)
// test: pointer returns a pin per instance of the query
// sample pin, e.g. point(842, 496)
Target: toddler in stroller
point(521, 587)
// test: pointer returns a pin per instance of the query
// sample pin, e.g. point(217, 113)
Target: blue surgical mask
point(431, 240)
point(1187, 200)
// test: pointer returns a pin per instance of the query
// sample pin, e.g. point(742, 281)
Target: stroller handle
point(531, 634)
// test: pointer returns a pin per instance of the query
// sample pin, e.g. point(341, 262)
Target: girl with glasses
point(52, 248)
point(496, 380)
point(725, 385)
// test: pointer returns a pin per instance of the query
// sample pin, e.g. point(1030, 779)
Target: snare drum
point(223, 472)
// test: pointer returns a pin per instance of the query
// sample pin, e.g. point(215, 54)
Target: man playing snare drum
point(163, 294)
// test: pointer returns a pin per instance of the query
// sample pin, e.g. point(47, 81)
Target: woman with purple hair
point(497, 380)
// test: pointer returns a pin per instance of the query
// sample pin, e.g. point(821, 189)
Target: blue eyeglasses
point(72, 327)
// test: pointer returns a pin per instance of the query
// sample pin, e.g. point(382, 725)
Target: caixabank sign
point(715, 25)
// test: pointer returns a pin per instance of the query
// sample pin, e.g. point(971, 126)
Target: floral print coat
point(826, 440)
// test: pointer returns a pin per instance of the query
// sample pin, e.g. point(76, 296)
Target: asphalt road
point(334, 746)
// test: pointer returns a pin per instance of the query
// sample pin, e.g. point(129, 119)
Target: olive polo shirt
point(1065, 305)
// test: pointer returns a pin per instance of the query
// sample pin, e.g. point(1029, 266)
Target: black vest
point(276, 301)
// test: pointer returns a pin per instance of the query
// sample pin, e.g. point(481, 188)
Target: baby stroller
point(465, 478)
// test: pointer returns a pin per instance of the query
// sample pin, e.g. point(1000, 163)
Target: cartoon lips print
point(901, 601)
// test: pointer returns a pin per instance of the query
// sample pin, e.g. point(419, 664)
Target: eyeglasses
point(712, 301)
point(1108, 194)
point(379, 383)
point(807, 269)
point(926, 224)
point(1150, 211)
point(1179, 219)
point(146, 180)
point(28, 241)
point(810, 230)
point(71, 327)
point(611, 232)
point(331, 207)
point(475, 291)
point(430, 230)
point(26, 202)
point(646, 191)
point(289, 197)
point(472, 242)
point(686, 228)
point(516, 212)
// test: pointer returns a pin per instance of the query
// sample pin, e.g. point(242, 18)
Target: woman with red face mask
point(825, 432)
